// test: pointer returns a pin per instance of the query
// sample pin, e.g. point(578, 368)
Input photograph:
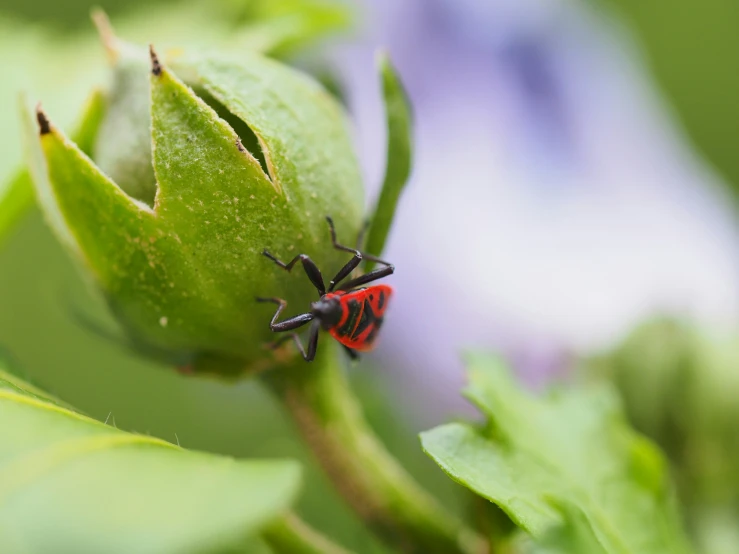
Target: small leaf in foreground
point(69, 483)
point(566, 467)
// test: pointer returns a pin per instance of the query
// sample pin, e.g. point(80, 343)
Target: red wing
point(378, 297)
point(363, 315)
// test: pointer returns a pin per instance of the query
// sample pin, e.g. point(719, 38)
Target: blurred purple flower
point(554, 202)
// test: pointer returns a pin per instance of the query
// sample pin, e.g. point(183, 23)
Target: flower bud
point(172, 213)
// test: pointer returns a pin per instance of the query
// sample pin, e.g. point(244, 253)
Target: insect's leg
point(350, 266)
point(312, 342)
point(288, 324)
point(311, 269)
point(373, 275)
point(339, 246)
point(353, 354)
point(336, 244)
point(345, 271)
point(354, 262)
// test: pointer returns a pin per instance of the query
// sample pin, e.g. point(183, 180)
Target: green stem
point(291, 535)
point(373, 483)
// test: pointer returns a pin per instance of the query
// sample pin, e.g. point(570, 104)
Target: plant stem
point(373, 483)
point(291, 535)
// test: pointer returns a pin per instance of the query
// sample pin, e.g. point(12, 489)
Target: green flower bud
point(186, 188)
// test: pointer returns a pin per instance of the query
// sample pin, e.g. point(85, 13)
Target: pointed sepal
point(399, 154)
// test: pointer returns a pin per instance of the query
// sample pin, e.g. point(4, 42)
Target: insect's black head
point(327, 311)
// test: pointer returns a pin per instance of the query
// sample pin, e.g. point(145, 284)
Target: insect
point(352, 314)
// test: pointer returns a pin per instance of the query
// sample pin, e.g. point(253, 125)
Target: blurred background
point(574, 206)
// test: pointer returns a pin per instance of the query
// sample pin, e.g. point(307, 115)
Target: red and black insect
point(352, 314)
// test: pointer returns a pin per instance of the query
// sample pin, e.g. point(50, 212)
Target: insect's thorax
point(328, 309)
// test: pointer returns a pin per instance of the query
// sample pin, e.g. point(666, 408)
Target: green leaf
point(566, 468)
point(399, 155)
point(69, 483)
point(182, 276)
point(575, 535)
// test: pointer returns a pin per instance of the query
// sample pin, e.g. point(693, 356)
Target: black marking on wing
point(355, 311)
point(368, 318)
point(373, 333)
point(381, 300)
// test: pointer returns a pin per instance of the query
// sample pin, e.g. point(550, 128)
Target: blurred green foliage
point(65, 16)
point(680, 385)
point(692, 49)
point(564, 466)
point(73, 15)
